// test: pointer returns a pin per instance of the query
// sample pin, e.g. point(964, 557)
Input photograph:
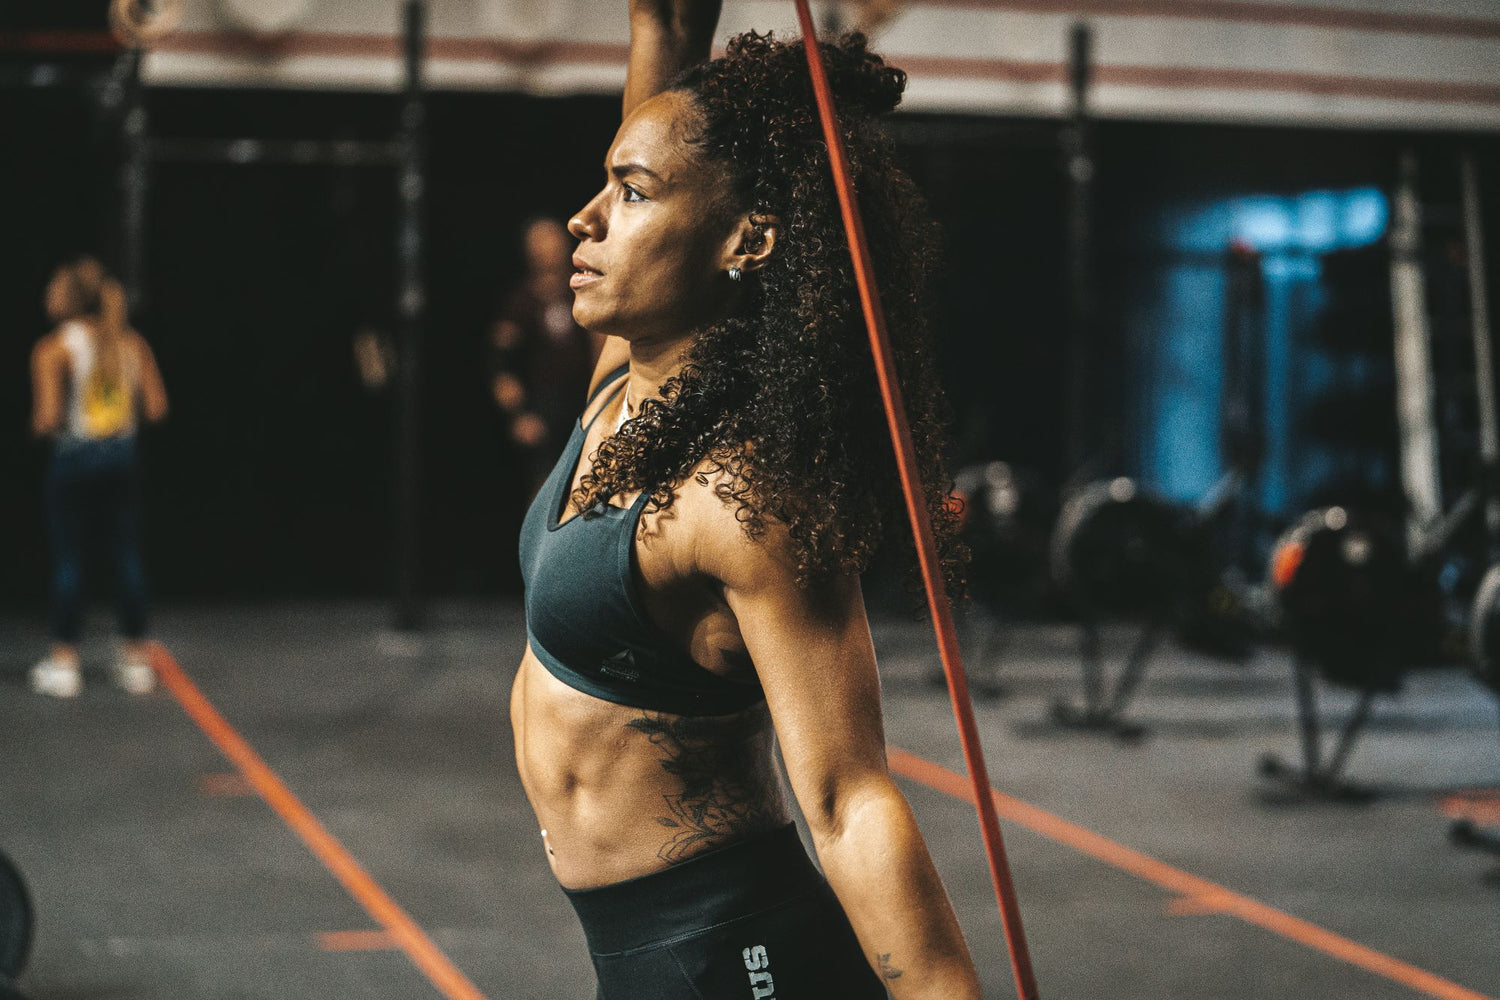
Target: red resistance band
point(921, 522)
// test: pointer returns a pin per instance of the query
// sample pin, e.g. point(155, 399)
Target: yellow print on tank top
point(106, 406)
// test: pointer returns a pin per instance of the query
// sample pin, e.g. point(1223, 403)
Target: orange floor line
point(1208, 896)
point(409, 937)
point(356, 941)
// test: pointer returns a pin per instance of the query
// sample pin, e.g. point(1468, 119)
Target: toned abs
point(621, 791)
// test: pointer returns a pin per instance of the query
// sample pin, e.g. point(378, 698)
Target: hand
point(872, 15)
point(677, 12)
point(528, 430)
point(509, 392)
point(666, 37)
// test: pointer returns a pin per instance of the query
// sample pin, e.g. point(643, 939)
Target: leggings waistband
point(723, 884)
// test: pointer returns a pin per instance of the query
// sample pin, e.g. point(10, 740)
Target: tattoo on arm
point(887, 970)
point(725, 790)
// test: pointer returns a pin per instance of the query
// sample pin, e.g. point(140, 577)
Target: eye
point(631, 194)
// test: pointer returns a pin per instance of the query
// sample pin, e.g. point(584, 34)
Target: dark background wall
point(273, 475)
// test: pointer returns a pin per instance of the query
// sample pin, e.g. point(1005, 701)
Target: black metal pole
point(1484, 350)
point(134, 178)
point(1079, 165)
point(1242, 403)
point(1307, 719)
point(410, 311)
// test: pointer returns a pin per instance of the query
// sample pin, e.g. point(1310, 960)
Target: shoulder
point(727, 543)
point(49, 348)
point(137, 344)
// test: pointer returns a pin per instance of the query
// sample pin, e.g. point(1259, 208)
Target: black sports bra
point(583, 618)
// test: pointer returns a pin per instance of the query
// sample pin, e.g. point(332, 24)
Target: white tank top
point(96, 410)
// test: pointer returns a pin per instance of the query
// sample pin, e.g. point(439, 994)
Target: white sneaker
point(59, 678)
point(134, 675)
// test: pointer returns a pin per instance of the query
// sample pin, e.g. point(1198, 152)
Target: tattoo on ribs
point(724, 790)
point(887, 970)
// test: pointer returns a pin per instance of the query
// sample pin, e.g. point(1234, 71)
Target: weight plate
point(1119, 550)
point(1347, 597)
point(15, 920)
point(1484, 629)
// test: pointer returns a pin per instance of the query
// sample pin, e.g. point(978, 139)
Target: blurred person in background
point(542, 359)
point(93, 378)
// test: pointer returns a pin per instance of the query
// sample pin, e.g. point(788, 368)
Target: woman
point(692, 564)
point(91, 377)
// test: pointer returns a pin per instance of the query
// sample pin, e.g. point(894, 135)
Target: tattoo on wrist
point(887, 970)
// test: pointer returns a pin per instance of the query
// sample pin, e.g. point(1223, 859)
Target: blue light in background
point(1179, 318)
point(1314, 222)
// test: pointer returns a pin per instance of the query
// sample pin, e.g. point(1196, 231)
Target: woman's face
point(656, 243)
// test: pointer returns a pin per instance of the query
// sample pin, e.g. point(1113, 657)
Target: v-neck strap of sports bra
point(611, 386)
point(584, 618)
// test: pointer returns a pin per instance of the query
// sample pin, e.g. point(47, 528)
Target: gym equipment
point(1218, 616)
point(139, 25)
point(1006, 519)
point(1363, 600)
point(1341, 579)
point(15, 922)
point(1484, 630)
point(1352, 609)
point(1119, 551)
point(1484, 614)
point(911, 486)
point(1467, 833)
point(1484, 652)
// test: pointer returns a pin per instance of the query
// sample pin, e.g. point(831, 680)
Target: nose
point(588, 223)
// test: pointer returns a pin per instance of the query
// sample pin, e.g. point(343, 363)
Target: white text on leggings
point(761, 985)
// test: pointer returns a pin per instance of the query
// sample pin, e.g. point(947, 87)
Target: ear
point(753, 241)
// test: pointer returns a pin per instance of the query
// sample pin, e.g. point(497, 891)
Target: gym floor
point(314, 807)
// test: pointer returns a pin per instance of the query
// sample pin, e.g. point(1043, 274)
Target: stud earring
point(735, 274)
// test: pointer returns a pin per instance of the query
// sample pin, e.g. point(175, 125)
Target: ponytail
point(99, 297)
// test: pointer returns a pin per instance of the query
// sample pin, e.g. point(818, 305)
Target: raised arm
point(666, 37)
point(812, 650)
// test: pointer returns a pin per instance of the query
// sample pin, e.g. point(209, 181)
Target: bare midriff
point(620, 792)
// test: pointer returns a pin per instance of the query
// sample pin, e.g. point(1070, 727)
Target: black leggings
point(752, 921)
point(93, 495)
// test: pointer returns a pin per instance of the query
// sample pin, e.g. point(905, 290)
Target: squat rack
point(405, 153)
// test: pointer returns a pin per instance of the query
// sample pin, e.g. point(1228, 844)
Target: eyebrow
point(620, 170)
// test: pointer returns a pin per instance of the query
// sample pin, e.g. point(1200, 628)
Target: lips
point(583, 274)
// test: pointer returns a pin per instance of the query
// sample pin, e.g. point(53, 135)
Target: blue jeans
point(93, 500)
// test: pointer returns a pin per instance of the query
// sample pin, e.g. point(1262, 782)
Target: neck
point(651, 364)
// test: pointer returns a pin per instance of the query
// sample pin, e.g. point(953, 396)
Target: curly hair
point(779, 402)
